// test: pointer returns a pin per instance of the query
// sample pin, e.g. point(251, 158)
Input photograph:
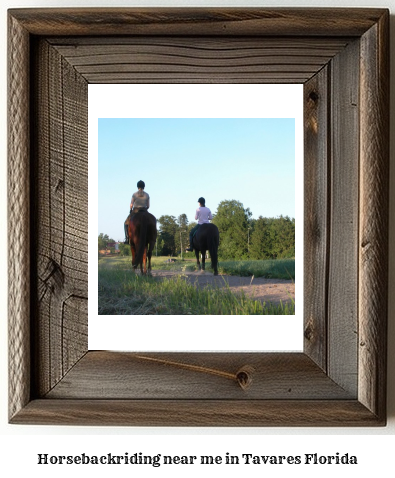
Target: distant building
point(111, 245)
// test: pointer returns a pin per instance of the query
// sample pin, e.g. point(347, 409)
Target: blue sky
point(249, 160)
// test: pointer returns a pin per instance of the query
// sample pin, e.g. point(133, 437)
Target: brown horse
point(142, 238)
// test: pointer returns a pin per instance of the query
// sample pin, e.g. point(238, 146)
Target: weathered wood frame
point(342, 58)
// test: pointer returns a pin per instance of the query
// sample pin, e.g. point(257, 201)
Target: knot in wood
point(54, 276)
point(313, 96)
point(308, 332)
point(244, 376)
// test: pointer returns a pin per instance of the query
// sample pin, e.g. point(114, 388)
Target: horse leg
point(197, 259)
point(149, 254)
point(203, 260)
point(144, 261)
point(133, 249)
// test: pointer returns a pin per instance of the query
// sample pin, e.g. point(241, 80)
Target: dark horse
point(142, 238)
point(207, 239)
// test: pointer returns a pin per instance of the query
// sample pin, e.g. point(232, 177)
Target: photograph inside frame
point(196, 194)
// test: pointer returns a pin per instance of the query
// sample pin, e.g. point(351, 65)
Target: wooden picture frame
point(342, 58)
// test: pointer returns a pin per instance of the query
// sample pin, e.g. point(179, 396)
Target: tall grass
point(270, 269)
point(122, 292)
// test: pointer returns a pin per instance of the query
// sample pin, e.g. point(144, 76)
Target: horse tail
point(143, 219)
point(213, 243)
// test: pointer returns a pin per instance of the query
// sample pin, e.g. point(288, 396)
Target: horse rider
point(139, 202)
point(203, 216)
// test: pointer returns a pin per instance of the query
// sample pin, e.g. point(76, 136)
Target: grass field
point(122, 292)
point(271, 269)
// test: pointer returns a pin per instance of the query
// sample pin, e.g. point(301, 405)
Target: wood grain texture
point(346, 229)
point(196, 59)
point(344, 216)
point(284, 376)
point(18, 218)
point(202, 413)
point(61, 212)
point(373, 233)
point(260, 22)
point(316, 214)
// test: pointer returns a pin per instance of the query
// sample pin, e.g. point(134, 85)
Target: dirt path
point(264, 290)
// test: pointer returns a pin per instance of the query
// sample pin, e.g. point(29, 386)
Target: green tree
point(181, 238)
point(124, 249)
point(167, 233)
point(282, 234)
point(103, 241)
point(159, 246)
point(273, 238)
point(233, 221)
point(260, 245)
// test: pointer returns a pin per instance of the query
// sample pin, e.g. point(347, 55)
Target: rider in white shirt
point(203, 216)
